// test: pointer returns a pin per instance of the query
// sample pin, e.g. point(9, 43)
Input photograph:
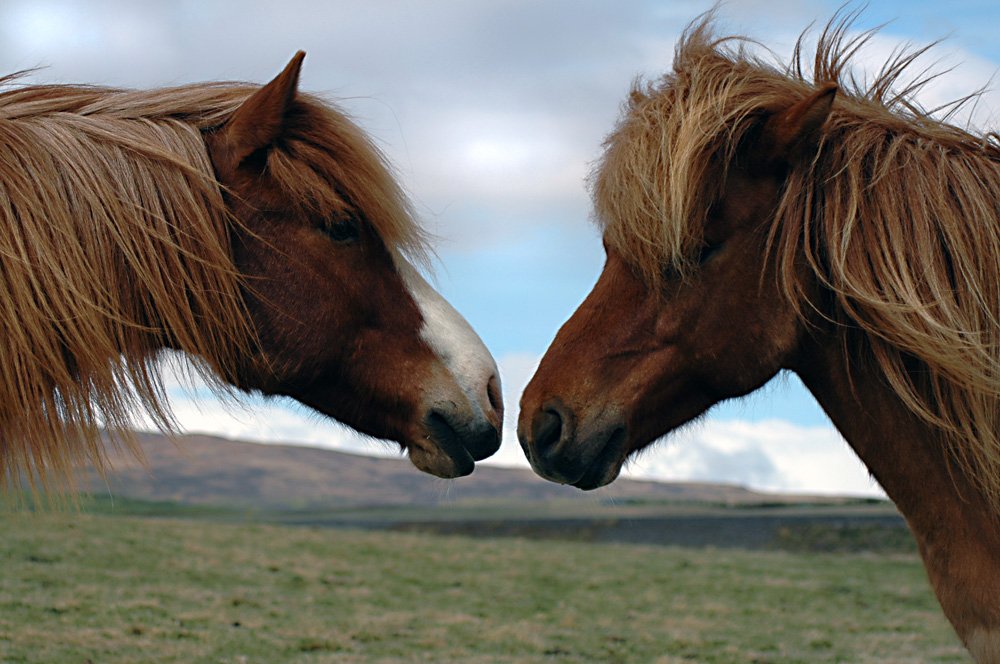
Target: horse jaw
point(475, 408)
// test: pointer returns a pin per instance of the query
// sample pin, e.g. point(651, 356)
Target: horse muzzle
point(452, 443)
point(459, 427)
point(562, 447)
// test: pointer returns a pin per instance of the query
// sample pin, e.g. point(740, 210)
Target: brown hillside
point(208, 470)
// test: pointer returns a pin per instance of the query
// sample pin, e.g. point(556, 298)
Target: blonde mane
point(898, 214)
point(115, 242)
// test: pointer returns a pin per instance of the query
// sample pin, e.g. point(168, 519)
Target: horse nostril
point(546, 430)
point(495, 398)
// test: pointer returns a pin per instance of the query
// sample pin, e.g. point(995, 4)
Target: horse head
point(660, 340)
point(341, 320)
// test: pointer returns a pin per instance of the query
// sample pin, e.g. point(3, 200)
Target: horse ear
point(795, 131)
point(259, 121)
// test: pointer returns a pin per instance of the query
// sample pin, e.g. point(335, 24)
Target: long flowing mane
point(898, 215)
point(115, 241)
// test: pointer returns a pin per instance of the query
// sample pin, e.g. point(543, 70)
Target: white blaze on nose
point(452, 339)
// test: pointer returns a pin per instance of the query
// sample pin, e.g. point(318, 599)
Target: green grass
point(96, 588)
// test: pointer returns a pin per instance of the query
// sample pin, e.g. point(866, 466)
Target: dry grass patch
point(116, 589)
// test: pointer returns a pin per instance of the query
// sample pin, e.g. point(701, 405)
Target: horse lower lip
point(447, 440)
point(599, 472)
point(589, 482)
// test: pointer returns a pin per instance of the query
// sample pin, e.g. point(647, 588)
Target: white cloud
point(499, 158)
point(274, 421)
point(961, 74)
point(770, 455)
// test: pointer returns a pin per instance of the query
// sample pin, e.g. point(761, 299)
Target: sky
point(492, 114)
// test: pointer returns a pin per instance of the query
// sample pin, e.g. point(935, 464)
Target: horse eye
point(343, 231)
point(708, 250)
point(673, 272)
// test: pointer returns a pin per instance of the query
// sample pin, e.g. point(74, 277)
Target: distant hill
point(199, 469)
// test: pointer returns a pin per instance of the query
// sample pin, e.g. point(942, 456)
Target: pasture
point(94, 587)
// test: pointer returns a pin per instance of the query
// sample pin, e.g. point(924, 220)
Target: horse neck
point(957, 533)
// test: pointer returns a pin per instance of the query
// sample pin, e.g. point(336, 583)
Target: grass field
point(96, 588)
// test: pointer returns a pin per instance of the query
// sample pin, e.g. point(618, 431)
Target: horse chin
point(600, 474)
point(437, 462)
point(450, 448)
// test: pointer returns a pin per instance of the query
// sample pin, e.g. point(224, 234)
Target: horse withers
point(755, 219)
point(257, 230)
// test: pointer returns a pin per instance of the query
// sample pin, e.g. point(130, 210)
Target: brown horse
point(758, 219)
point(254, 228)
